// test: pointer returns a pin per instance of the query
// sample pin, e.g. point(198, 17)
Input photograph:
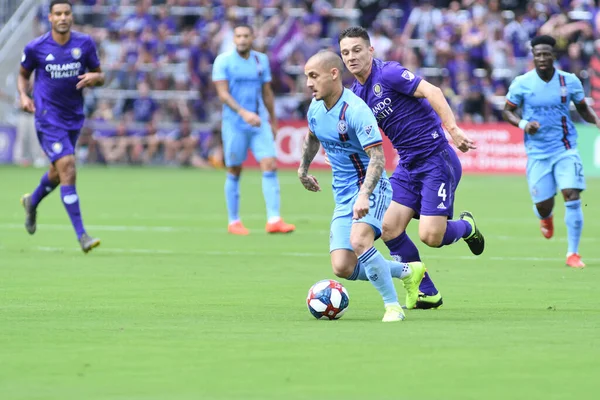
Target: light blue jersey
point(345, 132)
point(547, 103)
point(245, 78)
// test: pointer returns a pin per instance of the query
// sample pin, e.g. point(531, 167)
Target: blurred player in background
point(411, 112)
point(242, 78)
point(64, 62)
point(346, 128)
point(544, 94)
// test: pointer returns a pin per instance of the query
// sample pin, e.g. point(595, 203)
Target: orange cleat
point(547, 227)
point(237, 228)
point(279, 227)
point(574, 261)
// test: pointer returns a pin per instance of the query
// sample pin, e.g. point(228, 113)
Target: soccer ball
point(327, 299)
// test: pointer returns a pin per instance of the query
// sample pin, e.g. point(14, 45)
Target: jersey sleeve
point(515, 93)
point(28, 60)
point(361, 120)
point(219, 71)
point(577, 93)
point(266, 76)
point(92, 59)
point(401, 79)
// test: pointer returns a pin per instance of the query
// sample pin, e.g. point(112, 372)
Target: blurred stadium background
point(159, 105)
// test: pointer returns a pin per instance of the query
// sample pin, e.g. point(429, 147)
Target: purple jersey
point(410, 123)
point(57, 102)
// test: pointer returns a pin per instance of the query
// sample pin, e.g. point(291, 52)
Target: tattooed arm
point(372, 177)
point(310, 148)
point(374, 170)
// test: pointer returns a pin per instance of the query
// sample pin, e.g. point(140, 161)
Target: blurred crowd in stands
point(159, 105)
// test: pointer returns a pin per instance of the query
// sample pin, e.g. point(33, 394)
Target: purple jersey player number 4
point(411, 112)
point(64, 62)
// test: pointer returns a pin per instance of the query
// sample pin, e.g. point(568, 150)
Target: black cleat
point(475, 240)
point(30, 214)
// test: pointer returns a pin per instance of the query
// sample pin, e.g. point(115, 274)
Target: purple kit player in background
point(411, 111)
point(64, 63)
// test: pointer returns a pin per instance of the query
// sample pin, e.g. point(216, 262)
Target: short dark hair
point(354, 32)
point(55, 2)
point(241, 24)
point(543, 39)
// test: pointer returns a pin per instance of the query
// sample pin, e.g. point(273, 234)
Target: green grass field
point(171, 307)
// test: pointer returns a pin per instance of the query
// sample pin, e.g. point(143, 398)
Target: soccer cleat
point(574, 261)
point(88, 243)
point(475, 240)
point(237, 228)
point(279, 227)
point(412, 282)
point(547, 227)
point(393, 314)
point(30, 214)
point(425, 302)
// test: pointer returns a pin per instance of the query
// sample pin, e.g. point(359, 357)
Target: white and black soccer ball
point(327, 299)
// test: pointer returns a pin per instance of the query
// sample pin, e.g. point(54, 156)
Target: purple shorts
point(57, 143)
point(428, 187)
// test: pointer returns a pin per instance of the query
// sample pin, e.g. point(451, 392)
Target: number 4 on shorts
point(442, 191)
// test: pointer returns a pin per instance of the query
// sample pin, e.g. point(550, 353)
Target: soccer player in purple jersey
point(411, 111)
point(64, 62)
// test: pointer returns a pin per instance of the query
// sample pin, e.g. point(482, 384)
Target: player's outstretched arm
point(23, 87)
point(587, 113)
point(372, 177)
point(510, 115)
point(436, 98)
point(310, 148)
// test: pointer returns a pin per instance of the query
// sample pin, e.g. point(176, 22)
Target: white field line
point(301, 231)
point(323, 255)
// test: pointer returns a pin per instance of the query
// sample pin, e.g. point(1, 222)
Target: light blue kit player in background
point(242, 78)
point(544, 94)
point(345, 126)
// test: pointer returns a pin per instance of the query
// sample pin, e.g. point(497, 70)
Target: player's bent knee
point(390, 231)
point(359, 244)
point(432, 238)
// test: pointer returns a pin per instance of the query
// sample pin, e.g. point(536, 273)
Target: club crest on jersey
point(57, 147)
point(76, 53)
point(368, 130)
point(377, 91)
point(409, 76)
point(342, 126)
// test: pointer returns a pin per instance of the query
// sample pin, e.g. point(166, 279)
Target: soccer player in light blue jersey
point(341, 122)
point(64, 62)
point(544, 95)
point(242, 78)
